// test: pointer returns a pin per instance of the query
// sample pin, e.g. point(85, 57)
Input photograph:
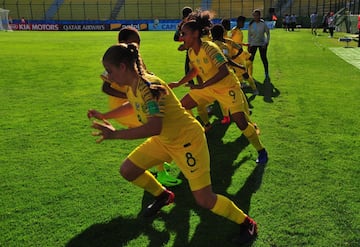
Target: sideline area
point(350, 55)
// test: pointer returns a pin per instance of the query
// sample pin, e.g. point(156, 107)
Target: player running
point(117, 97)
point(160, 113)
point(219, 83)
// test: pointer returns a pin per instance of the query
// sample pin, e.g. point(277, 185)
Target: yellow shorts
point(129, 120)
point(231, 97)
point(192, 157)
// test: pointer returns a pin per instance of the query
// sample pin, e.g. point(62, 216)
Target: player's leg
point(239, 111)
point(134, 169)
point(204, 116)
point(252, 50)
point(223, 206)
point(263, 55)
point(187, 102)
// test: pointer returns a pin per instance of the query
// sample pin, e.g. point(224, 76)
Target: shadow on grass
point(212, 230)
point(266, 89)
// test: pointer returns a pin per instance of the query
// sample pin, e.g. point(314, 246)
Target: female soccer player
point(117, 97)
point(220, 83)
point(234, 52)
point(173, 134)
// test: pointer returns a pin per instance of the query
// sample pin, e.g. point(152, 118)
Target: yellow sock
point(226, 208)
point(149, 183)
point(253, 138)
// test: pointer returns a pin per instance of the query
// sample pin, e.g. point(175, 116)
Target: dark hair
point(129, 55)
point(217, 32)
point(129, 33)
point(121, 53)
point(226, 24)
point(202, 19)
point(186, 11)
point(241, 18)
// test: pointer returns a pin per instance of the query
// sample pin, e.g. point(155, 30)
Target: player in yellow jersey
point(234, 52)
point(220, 83)
point(117, 97)
point(235, 55)
point(236, 32)
point(202, 110)
point(173, 134)
point(226, 23)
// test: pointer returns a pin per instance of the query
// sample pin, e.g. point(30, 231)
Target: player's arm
point(222, 73)
point(106, 88)
point(237, 65)
point(123, 110)
point(267, 32)
point(108, 132)
point(152, 128)
point(190, 75)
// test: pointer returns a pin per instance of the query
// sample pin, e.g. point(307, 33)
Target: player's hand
point(95, 114)
point(173, 85)
point(106, 130)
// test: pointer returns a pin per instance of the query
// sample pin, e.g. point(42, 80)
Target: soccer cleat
point(248, 231)
point(167, 180)
point(165, 198)
point(263, 157)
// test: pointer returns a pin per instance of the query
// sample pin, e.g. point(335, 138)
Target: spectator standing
point(292, 22)
point(325, 22)
point(331, 24)
point(258, 39)
point(287, 22)
point(313, 22)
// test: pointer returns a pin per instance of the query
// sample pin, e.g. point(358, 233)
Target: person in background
point(160, 113)
point(226, 23)
point(258, 39)
point(236, 32)
point(293, 22)
point(23, 20)
point(325, 22)
point(331, 24)
point(287, 22)
point(219, 84)
point(313, 22)
point(156, 22)
point(236, 56)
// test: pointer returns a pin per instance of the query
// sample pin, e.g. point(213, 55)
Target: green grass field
point(59, 188)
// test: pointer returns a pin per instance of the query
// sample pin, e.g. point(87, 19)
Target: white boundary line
point(350, 55)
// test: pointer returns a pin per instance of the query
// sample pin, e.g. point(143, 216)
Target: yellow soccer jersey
point(177, 123)
point(208, 61)
point(237, 35)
